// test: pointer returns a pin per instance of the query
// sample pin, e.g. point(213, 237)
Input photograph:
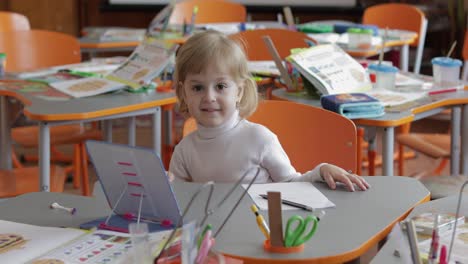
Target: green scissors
point(296, 237)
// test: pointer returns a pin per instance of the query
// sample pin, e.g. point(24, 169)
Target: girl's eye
point(197, 88)
point(221, 86)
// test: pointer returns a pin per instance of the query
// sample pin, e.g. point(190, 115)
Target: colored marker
point(261, 222)
point(442, 91)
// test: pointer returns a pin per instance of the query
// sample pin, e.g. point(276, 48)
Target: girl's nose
point(210, 95)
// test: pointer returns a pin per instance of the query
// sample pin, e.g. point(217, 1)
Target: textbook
point(24, 243)
point(20, 243)
point(331, 70)
point(147, 61)
point(353, 105)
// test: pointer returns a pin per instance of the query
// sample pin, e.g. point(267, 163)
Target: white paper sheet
point(36, 240)
point(299, 192)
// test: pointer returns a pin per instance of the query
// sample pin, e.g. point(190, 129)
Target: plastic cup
point(140, 243)
point(446, 71)
point(385, 75)
point(354, 37)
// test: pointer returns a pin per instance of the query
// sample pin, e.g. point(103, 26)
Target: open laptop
point(133, 177)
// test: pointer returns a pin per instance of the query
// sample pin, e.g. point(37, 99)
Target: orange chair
point(209, 11)
point(34, 49)
point(400, 16)
point(308, 134)
point(10, 21)
point(283, 39)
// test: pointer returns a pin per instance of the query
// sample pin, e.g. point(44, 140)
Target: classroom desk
point(92, 45)
point(78, 110)
point(402, 42)
point(444, 205)
point(357, 223)
point(457, 101)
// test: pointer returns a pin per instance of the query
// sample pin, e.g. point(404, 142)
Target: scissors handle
point(304, 238)
point(295, 237)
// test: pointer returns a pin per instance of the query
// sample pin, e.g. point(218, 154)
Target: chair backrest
point(209, 11)
point(10, 21)
point(400, 16)
point(34, 49)
point(309, 135)
point(283, 39)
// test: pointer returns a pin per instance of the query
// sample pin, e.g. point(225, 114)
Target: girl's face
point(211, 96)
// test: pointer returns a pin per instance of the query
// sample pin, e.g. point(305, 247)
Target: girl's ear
point(240, 91)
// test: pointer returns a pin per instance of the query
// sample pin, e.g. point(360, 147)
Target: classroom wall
point(55, 15)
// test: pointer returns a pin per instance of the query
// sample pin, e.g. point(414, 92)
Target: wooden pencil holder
point(282, 250)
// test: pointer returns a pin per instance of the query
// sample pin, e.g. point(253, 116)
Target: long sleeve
point(276, 162)
point(177, 166)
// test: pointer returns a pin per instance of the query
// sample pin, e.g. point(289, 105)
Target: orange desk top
point(376, 49)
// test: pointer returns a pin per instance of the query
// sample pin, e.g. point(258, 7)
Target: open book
point(331, 70)
point(146, 62)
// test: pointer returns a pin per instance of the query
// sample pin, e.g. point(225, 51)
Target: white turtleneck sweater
point(228, 152)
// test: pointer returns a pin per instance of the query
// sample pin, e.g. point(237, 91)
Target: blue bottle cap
point(383, 68)
point(446, 62)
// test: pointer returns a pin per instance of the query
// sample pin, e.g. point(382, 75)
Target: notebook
point(133, 178)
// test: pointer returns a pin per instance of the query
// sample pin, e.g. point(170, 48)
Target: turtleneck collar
point(213, 132)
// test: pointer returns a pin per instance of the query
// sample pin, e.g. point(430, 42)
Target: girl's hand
point(332, 174)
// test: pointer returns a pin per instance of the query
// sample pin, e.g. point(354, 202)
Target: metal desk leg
point(131, 130)
point(455, 141)
point(5, 135)
point(387, 151)
point(370, 136)
point(157, 130)
point(404, 54)
point(464, 140)
point(44, 156)
point(108, 130)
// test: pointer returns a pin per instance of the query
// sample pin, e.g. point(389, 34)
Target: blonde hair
point(208, 47)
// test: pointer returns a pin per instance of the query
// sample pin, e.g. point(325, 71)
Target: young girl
point(215, 87)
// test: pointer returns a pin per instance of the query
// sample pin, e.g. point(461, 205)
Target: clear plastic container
point(140, 243)
point(446, 71)
point(385, 75)
point(359, 38)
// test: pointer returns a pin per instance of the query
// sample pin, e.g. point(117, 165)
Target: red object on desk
point(442, 91)
point(443, 255)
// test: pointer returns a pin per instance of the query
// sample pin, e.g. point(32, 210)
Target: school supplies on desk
point(299, 192)
point(331, 70)
point(261, 222)
point(353, 105)
point(291, 203)
point(134, 182)
point(147, 61)
point(20, 243)
point(301, 232)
